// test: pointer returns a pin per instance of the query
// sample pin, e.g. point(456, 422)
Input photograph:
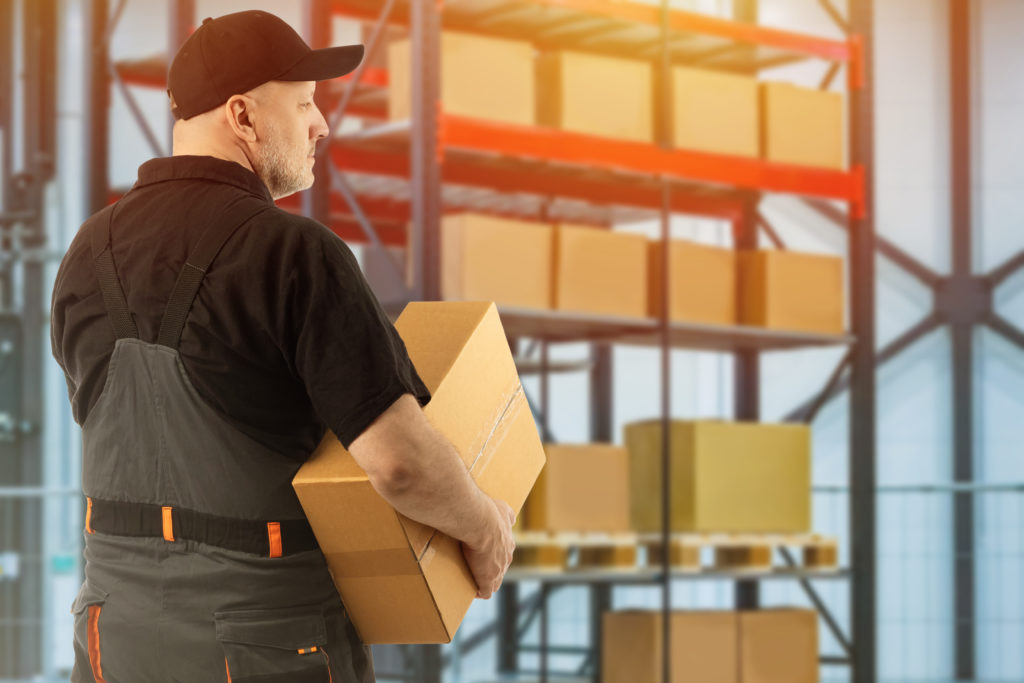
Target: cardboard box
point(802, 126)
point(726, 476)
point(716, 112)
point(704, 647)
point(702, 287)
point(581, 488)
point(484, 258)
point(481, 77)
point(596, 95)
point(779, 646)
point(600, 271)
point(401, 581)
point(792, 291)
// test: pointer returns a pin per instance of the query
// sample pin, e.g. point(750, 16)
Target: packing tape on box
point(497, 434)
point(494, 437)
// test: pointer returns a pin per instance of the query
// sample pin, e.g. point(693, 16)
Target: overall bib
point(199, 563)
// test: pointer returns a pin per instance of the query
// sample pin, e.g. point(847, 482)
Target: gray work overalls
point(199, 563)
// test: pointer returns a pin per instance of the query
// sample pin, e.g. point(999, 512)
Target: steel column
point(665, 139)
point(962, 337)
point(7, 89)
point(317, 199)
point(747, 368)
point(602, 393)
point(508, 631)
point(10, 335)
point(7, 128)
point(747, 376)
point(97, 108)
point(862, 367)
point(425, 171)
point(39, 120)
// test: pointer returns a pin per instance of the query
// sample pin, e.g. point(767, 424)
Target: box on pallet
point(726, 476)
point(778, 646)
point(401, 581)
point(802, 126)
point(704, 647)
point(581, 488)
point(484, 258)
point(715, 112)
point(791, 291)
point(702, 283)
point(600, 271)
point(481, 77)
point(596, 95)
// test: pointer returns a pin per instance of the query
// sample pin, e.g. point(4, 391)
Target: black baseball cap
point(235, 53)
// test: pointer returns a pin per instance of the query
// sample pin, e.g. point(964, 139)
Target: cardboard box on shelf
point(787, 290)
point(401, 581)
point(596, 95)
point(726, 476)
point(481, 77)
point(802, 126)
point(779, 646)
point(704, 647)
point(715, 112)
point(702, 284)
point(581, 488)
point(600, 271)
point(484, 258)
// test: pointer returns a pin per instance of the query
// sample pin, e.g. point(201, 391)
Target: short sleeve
point(346, 350)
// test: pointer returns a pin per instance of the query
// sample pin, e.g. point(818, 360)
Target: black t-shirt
point(284, 338)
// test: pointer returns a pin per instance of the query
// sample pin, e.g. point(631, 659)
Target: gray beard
point(273, 169)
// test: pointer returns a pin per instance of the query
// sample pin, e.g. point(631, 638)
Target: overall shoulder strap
point(192, 273)
point(110, 286)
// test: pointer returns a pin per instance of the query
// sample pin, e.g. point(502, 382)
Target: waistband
point(266, 538)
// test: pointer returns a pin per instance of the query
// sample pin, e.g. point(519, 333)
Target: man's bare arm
point(418, 471)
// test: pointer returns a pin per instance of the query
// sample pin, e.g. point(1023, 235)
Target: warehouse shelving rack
point(390, 175)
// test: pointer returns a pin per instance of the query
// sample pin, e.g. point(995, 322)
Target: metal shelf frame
point(444, 146)
point(434, 150)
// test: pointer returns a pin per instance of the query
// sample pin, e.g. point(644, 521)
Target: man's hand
point(489, 556)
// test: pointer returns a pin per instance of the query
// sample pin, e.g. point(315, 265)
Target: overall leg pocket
point(275, 645)
point(88, 610)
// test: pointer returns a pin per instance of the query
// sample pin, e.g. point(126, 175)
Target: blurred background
point(837, 182)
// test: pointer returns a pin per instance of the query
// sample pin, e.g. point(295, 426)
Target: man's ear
point(240, 111)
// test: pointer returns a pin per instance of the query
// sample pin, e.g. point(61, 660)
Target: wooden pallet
point(739, 553)
point(576, 551)
point(753, 553)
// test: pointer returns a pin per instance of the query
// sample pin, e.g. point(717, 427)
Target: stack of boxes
point(762, 646)
point(506, 81)
point(727, 477)
point(581, 269)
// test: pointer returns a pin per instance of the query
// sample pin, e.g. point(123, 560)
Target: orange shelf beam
point(554, 146)
point(680, 21)
point(693, 22)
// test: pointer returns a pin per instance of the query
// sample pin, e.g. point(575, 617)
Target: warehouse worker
point(208, 339)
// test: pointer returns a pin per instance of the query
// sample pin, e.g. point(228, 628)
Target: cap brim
point(324, 64)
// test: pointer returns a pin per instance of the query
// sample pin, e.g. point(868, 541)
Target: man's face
point(288, 125)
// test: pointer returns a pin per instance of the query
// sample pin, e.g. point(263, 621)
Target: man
point(208, 339)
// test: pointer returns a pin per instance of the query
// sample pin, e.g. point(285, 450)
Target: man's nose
point(320, 129)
